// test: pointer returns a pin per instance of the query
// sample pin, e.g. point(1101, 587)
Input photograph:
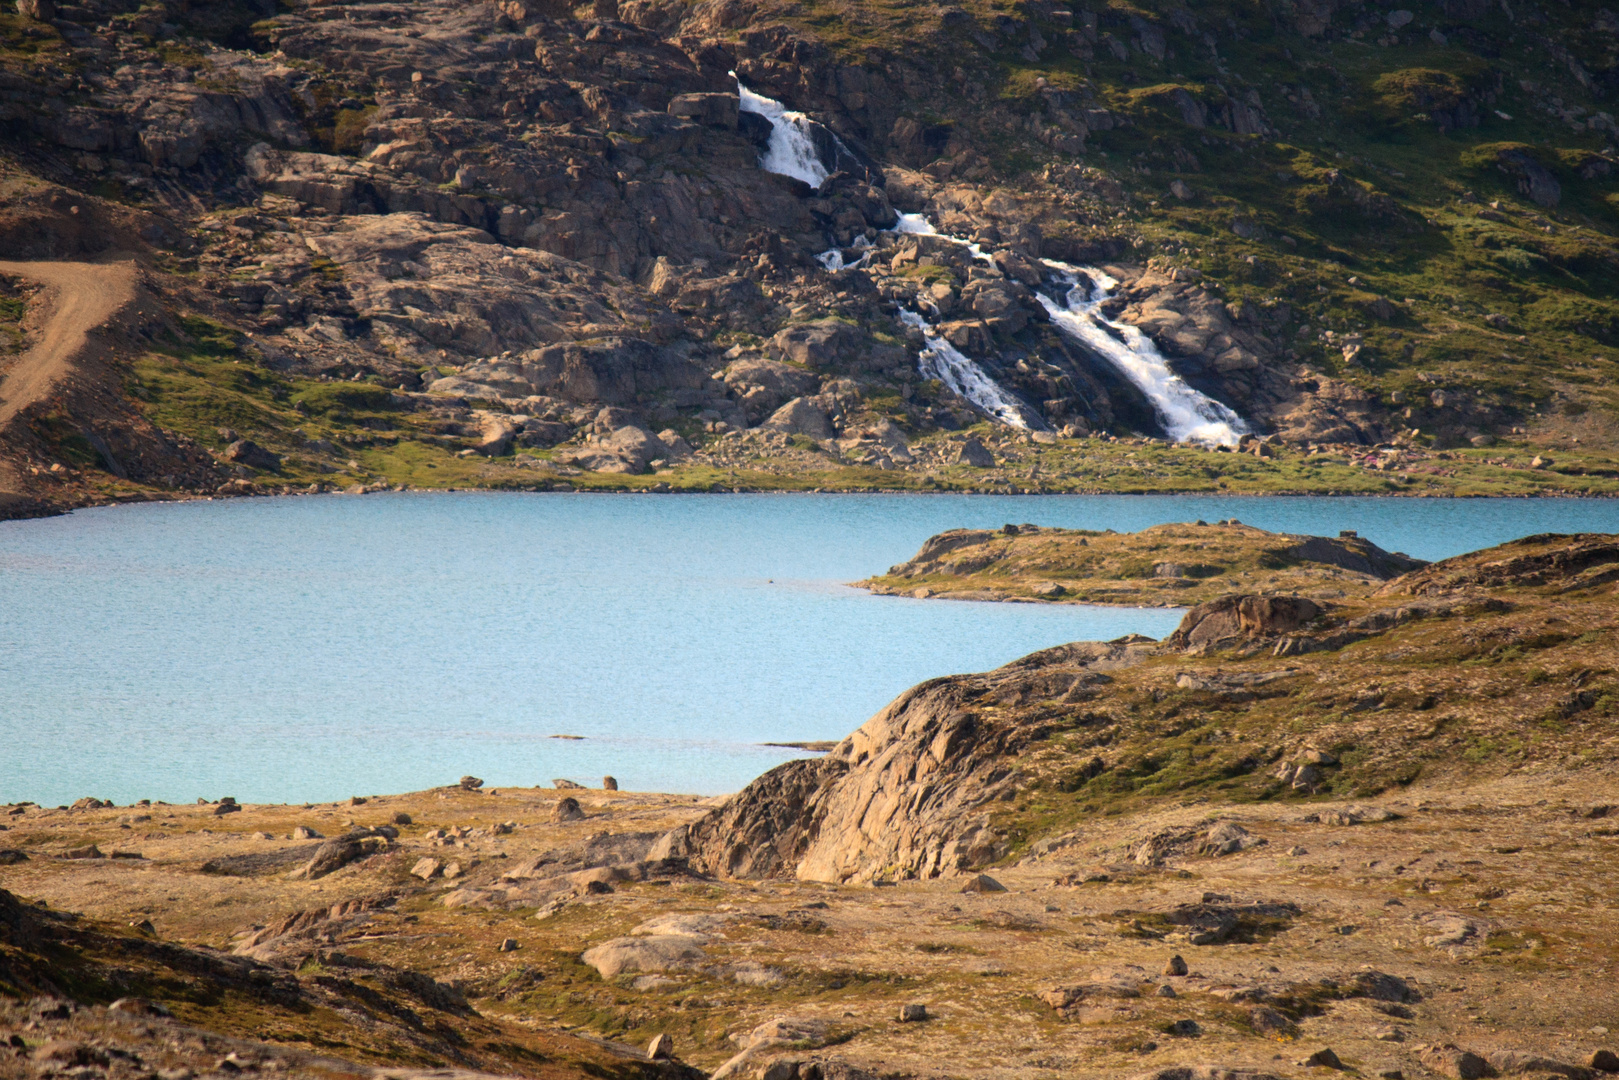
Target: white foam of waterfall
point(1186, 414)
point(943, 361)
point(833, 258)
point(791, 150)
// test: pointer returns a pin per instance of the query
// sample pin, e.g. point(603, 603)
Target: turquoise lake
point(313, 648)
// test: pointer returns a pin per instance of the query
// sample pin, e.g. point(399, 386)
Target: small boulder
point(982, 883)
point(1176, 966)
point(1454, 1062)
point(1605, 1061)
point(912, 1013)
point(401, 819)
point(710, 110)
point(568, 810)
point(427, 869)
point(89, 852)
point(661, 1048)
point(249, 453)
point(453, 871)
point(609, 784)
point(1324, 1058)
point(304, 832)
point(976, 455)
point(567, 785)
point(226, 808)
point(508, 945)
point(470, 783)
point(38, 10)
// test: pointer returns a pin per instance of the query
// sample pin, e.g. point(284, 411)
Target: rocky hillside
point(1167, 565)
point(393, 242)
point(1477, 667)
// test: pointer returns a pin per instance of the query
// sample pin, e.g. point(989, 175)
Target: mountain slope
point(1348, 225)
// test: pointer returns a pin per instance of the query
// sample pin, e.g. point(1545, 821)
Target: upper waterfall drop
point(1186, 414)
point(791, 151)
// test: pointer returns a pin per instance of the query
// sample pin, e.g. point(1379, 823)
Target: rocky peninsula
point(1368, 834)
point(1165, 565)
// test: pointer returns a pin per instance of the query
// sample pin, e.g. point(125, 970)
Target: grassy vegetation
point(1415, 702)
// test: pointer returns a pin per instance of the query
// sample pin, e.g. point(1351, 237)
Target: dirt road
point(79, 297)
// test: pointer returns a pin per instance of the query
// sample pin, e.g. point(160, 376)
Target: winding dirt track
point(79, 297)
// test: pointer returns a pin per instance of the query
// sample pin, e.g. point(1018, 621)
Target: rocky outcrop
point(907, 795)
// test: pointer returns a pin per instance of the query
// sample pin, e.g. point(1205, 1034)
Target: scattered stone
point(508, 945)
point(567, 785)
point(401, 819)
point(470, 783)
point(1187, 1029)
point(661, 1048)
point(982, 883)
point(10, 856)
point(304, 832)
point(567, 810)
point(1176, 966)
point(89, 852)
point(1167, 991)
point(427, 869)
point(1357, 815)
point(1324, 1058)
point(453, 871)
point(225, 807)
point(609, 784)
point(912, 1013)
point(1605, 1061)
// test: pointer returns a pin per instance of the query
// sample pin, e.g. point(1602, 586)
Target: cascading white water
point(943, 361)
point(1186, 414)
point(791, 151)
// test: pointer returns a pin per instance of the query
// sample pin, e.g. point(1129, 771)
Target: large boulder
point(762, 386)
point(824, 343)
point(654, 952)
point(800, 416)
point(1240, 618)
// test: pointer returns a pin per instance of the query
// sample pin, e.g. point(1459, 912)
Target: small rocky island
point(1301, 836)
point(1166, 565)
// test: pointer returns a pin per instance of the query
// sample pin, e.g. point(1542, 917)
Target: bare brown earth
point(1387, 831)
point(1165, 565)
point(79, 297)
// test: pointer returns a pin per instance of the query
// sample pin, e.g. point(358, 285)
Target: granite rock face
point(905, 796)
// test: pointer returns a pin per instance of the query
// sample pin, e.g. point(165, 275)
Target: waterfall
point(1186, 414)
point(943, 361)
point(791, 151)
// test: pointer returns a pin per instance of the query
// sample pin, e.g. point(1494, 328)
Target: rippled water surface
point(313, 648)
